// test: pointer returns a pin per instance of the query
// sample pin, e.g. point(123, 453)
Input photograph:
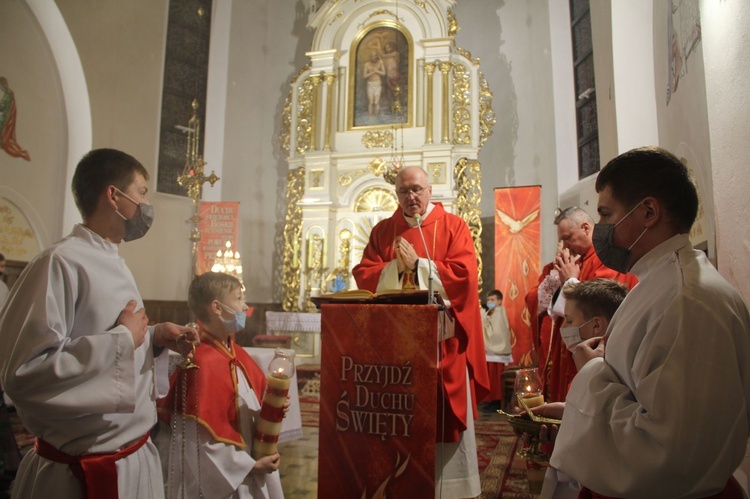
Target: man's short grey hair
point(575, 215)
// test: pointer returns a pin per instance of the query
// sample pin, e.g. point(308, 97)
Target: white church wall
point(626, 101)
point(26, 61)
point(121, 47)
point(682, 109)
point(268, 42)
point(512, 39)
point(632, 55)
point(725, 28)
point(564, 97)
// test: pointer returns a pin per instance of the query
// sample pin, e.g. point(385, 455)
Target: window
point(583, 70)
point(185, 79)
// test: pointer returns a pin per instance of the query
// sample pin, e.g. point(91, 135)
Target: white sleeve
point(161, 369)
point(43, 369)
point(423, 275)
point(557, 308)
point(642, 443)
point(389, 278)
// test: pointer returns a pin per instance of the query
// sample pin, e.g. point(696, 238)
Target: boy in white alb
point(661, 406)
point(76, 353)
point(213, 432)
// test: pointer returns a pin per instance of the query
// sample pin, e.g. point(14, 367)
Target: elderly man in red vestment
point(395, 251)
point(578, 261)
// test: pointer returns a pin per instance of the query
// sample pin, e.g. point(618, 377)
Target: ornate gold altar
point(385, 87)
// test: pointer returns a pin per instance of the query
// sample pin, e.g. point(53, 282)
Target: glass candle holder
point(528, 387)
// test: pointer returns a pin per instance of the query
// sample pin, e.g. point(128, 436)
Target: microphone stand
point(430, 301)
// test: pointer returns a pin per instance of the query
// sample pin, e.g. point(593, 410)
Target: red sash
point(96, 472)
point(732, 490)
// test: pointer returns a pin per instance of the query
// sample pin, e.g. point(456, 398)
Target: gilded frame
point(394, 49)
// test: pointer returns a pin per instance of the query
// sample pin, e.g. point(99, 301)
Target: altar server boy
point(77, 355)
point(213, 408)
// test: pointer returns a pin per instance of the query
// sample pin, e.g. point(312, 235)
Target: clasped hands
point(566, 264)
point(180, 339)
point(406, 257)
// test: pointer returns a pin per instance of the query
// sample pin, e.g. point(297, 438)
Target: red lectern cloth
point(378, 403)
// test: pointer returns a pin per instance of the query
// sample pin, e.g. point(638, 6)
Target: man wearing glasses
point(394, 252)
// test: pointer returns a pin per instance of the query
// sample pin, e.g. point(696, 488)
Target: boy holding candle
point(589, 307)
point(213, 406)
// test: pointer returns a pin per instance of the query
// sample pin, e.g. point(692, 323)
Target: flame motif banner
point(518, 260)
point(217, 225)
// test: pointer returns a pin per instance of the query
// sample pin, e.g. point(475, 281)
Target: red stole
point(451, 247)
point(212, 396)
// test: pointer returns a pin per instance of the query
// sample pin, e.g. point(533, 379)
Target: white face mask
point(571, 335)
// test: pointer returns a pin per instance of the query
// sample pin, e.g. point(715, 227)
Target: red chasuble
point(560, 368)
point(452, 249)
point(215, 402)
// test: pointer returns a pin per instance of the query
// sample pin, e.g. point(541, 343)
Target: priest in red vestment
point(577, 261)
point(396, 252)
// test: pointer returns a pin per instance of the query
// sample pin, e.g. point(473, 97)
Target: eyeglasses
point(416, 190)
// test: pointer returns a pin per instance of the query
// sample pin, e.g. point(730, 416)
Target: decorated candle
point(268, 426)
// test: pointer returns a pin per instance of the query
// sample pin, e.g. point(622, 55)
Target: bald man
point(394, 250)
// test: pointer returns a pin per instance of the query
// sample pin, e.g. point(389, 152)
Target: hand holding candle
point(280, 373)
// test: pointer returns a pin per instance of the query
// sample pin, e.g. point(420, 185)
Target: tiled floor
point(299, 465)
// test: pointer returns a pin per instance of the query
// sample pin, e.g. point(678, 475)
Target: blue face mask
point(235, 324)
point(491, 305)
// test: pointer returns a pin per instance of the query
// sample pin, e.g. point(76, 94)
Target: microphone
point(418, 219)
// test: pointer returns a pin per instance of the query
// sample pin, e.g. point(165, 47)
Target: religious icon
point(8, 122)
point(380, 76)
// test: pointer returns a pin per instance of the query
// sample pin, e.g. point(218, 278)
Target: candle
point(271, 414)
point(268, 426)
point(533, 399)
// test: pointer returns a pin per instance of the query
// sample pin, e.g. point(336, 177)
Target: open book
point(392, 296)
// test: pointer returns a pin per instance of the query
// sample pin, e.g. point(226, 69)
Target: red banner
point(517, 259)
point(218, 224)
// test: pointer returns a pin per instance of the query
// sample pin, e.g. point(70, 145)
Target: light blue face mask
point(491, 305)
point(235, 324)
